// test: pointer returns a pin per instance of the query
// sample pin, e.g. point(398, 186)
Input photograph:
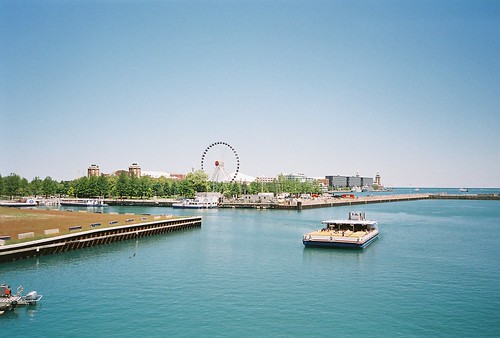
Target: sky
point(409, 89)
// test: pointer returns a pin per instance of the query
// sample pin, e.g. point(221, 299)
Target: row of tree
point(125, 186)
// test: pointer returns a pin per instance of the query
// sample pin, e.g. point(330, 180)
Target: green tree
point(254, 188)
point(103, 186)
point(186, 188)
point(66, 188)
point(24, 189)
point(198, 181)
point(134, 189)
point(111, 182)
point(122, 185)
point(145, 187)
point(12, 185)
point(35, 186)
point(49, 186)
point(158, 187)
point(82, 187)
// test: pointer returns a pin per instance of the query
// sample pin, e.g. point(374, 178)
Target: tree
point(82, 187)
point(49, 186)
point(145, 187)
point(134, 189)
point(186, 188)
point(103, 186)
point(66, 188)
point(121, 187)
point(254, 188)
point(35, 186)
point(12, 185)
point(23, 187)
point(198, 180)
point(158, 187)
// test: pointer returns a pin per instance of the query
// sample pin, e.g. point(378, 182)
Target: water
point(434, 271)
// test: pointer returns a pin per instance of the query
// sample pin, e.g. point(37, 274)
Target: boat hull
point(338, 244)
point(192, 206)
point(84, 205)
point(28, 203)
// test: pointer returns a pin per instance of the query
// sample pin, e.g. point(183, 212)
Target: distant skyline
point(410, 89)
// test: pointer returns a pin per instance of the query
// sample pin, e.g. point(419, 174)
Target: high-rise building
point(338, 181)
point(93, 170)
point(134, 170)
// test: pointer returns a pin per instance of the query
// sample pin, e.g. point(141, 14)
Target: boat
point(87, 203)
point(9, 301)
point(463, 190)
point(29, 202)
point(201, 201)
point(356, 232)
point(195, 203)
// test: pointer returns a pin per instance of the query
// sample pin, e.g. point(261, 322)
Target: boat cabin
point(356, 222)
point(5, 290)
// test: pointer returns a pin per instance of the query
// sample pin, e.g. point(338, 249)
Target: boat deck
point(11, 301)
point(336, 233)
point(337, 238)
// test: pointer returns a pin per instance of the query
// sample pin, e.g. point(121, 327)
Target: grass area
point(14, 221)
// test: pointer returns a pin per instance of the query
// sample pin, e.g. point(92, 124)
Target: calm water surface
point(434, 271)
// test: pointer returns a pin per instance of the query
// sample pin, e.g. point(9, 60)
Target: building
point(178, 176)
point(298, 177)
point(134, 170)
point(264, 179)
point(93, 170)
point(338, 181)
point(155, 174)
point(323, 182)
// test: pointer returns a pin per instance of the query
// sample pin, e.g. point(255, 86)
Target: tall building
point(377, 179)
point(338, 181)
point(93, 170)
point(134, 170)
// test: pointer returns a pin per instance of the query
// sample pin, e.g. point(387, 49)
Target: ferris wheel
point(221, 162)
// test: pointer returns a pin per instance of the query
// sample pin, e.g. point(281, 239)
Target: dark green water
point(434, 271)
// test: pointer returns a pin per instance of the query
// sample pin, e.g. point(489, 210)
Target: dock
point(97, 236)
point(470, 197)
point(301, 204)
point(163, 202)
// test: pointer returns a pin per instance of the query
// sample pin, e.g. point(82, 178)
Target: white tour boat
point(355, 232)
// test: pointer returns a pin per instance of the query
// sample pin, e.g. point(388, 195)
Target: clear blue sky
point(410, 89)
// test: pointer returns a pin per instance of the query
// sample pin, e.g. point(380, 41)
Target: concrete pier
point(480, 197)
point(324, 202)
point(167, 202)
point(94, 237)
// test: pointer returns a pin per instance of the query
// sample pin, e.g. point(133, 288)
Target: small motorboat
point(9, 301)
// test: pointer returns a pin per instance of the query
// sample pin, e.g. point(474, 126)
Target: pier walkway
point(93, 237)
point(297, 204)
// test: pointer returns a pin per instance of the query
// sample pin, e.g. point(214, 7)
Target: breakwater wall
point(90, 238)
point(324, 202)
point(140, 203)
point(481, 197)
